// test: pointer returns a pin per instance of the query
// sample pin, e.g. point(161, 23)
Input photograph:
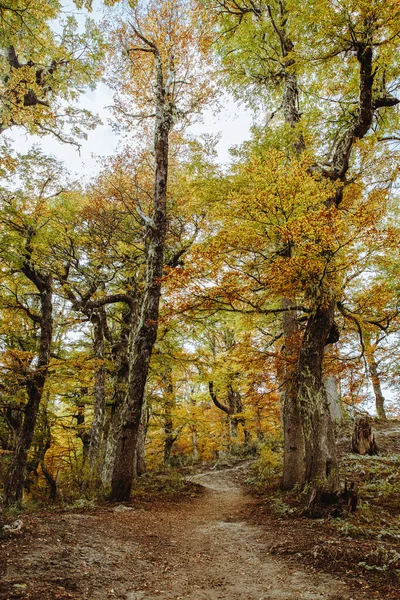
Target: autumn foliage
point(173, 310)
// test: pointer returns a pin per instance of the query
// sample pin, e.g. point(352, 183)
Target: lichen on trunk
point(143, 333)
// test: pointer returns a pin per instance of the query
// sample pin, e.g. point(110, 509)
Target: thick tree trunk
point(307, 392)
point(120, 354)
point(331, 385)
point(34, 386)
point(144, 334)
point(294, 443)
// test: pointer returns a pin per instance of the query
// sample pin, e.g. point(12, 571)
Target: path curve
point(220, 556)
point(202, 549)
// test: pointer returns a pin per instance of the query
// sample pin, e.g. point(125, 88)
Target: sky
point(232, 123)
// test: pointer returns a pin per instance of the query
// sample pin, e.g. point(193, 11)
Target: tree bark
point(236, 407)
point(120, 355)
point(35, 383)
point(99, 393)
point(168, 425)
point(144, 334)
point(233, 407)
point(374, 374)
point(376, 384)
point(363, 439)
point(294, 443)
point(321, 466)
point(331, 385)
point(140, 461)
point(82, 430)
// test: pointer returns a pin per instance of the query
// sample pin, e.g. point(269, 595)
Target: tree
point(42, 72)
point(160, 44)
point(28, 288)
point(270, 44)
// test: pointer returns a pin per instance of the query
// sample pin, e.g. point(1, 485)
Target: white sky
point(232, 123)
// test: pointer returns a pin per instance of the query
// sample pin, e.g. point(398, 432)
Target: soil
point(205, 547)
point(363, 548)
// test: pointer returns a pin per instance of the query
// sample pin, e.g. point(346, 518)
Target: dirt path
point(200, 550)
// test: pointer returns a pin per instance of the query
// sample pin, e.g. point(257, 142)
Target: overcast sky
point(232, 123)
point(234, 128)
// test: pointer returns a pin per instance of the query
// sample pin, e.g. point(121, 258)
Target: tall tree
point(162, 43)
point(270, 44)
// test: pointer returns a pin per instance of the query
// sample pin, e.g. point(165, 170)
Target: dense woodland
point(170, 310)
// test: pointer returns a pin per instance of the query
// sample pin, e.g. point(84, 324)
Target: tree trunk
point(294, 443)
point(307, 392)
point(82, 431)
point(379, 397)
point(99, 393)
point(120, 355)
point(331, 387)
point(235, 405)
point(34, 386)
point(144, 334)
point(168, 423)
point(141, 445)
point(374, 374)
point(363, 439)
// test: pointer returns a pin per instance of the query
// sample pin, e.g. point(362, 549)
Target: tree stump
point(333, 504)
point(363, 439)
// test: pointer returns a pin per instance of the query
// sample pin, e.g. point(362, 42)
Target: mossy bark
point(143, 334)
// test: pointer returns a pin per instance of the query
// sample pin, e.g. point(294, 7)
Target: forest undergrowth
point(362, 548)
point(364, 545)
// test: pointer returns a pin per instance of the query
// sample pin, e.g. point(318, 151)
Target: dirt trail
point(201, 550)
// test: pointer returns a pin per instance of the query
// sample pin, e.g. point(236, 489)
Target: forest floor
point(213, 540)
point(204, 547)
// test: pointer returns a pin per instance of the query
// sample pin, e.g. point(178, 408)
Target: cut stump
point(363, 439)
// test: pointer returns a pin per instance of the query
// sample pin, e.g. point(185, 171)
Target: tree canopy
point(175, 310)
